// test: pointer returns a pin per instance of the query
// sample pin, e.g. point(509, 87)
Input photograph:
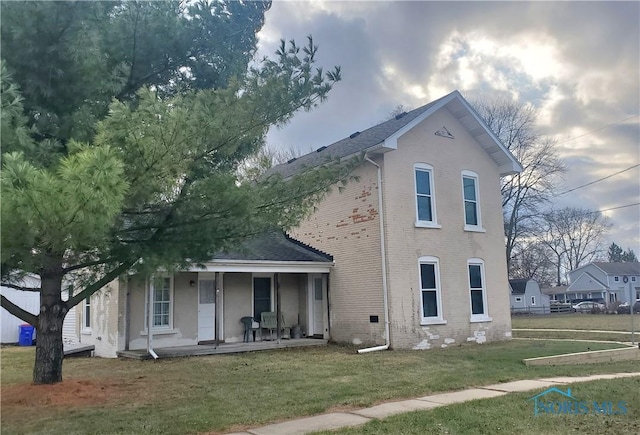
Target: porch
point(222, 348)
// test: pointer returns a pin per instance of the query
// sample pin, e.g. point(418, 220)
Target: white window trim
point(518, 299)
point(484, 317)
point(439, 319)
point(271, 295)
point(159, 329)
point(533, 300)
point(86, 329)
point(473, 228)
point(616, 279)
point(433, 223)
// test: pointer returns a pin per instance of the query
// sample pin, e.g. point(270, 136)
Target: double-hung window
point(261, 296)
point(162, 304)
point(470, 193)
point(425, 196)
point(430, 299)
point(86, 315)
point(477, 291)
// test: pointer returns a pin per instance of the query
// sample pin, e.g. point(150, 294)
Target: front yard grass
point(232, 392)
point(514, 413)
point(573, 335)
point(601, 322)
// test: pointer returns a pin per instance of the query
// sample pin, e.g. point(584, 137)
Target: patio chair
point(250, 326)
point(268, 321)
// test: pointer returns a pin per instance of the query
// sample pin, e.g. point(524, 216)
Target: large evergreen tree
point(122, 153)
point(617, 255)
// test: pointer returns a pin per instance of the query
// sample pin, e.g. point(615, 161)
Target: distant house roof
point(384, 137)
point(274, 246)
point(518, 286)
point(557, 290)
point(631, 268)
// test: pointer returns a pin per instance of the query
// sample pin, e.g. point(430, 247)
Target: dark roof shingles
point(631, 268)
point(518, 286)
point(351, 145)
point(274, 246)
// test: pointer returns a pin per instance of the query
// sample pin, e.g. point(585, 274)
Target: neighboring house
point(527, 297)
point(203, 305)
point(557, 293)
point(30, 301)
point(606, 281)
point(418, 239)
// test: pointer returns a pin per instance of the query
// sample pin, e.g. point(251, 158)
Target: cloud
point(577, 62)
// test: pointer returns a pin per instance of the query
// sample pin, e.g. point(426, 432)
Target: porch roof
point(270, 252)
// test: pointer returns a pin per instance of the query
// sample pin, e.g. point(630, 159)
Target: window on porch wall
point(261, 296)
point(161, 303)
point(86, 317)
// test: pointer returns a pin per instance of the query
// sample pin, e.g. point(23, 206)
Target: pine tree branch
point(21, 288)
point(21, 314)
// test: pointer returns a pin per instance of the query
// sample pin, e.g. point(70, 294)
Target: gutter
point(383, 256)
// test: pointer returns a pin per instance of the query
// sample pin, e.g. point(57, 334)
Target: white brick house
point(419, 262)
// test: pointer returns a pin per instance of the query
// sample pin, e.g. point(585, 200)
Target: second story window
point(470, 192)
point(425, 196)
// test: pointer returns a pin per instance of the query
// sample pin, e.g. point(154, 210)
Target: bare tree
point(254, 166)
point(574, 237)
point(398, 110)
point(531, 260)
point(524, 194)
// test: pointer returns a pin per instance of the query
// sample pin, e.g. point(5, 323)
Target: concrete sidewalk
point(337, 420)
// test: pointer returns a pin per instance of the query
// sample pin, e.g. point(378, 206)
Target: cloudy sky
point(577, 62)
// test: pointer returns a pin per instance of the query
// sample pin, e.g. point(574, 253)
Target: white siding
point(29, 301)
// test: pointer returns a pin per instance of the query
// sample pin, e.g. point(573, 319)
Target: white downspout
point(150, 322)
point(383, 256)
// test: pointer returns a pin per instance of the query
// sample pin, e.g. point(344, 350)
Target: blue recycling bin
point(26, 335)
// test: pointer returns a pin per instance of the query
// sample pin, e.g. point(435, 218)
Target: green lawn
point(513, 414)
point(604, 322)
point(232, 392)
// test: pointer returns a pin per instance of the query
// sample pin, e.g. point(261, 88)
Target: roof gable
point(586, 281)
point(384, 137)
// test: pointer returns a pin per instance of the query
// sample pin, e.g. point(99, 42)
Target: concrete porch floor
point(212, 349)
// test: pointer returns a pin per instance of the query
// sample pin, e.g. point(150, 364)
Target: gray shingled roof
point(631, 268)
point(518, 286)
point(274, 246)
point(378, 135)
point(351, 145)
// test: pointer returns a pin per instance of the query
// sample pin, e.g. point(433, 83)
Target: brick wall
point(450, 243)
point(346, 226)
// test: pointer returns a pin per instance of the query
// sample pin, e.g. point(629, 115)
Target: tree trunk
point(49, 350)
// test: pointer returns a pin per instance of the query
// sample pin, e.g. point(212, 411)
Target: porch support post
point(127, 313)
point(278, 322)
point(150, 321)
point(217, 309)
point(327, 314)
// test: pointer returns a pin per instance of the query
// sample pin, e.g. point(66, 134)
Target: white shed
point(30, 301)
